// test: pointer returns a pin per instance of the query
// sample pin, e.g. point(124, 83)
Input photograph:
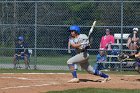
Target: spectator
point(107, 40)
point(133, 40)
point(101, 57)
point(21, 52)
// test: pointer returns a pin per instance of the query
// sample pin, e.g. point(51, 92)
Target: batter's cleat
point(105, 80)
point(74, 80)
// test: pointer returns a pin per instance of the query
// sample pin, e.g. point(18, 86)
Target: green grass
point(48, 60)
point(56, 61)
point(97, 90)
point(31, 71)
point(63, 71)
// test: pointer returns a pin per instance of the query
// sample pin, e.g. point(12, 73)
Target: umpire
point(21, 52)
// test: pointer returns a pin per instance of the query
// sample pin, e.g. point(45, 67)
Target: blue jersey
point(100, 58)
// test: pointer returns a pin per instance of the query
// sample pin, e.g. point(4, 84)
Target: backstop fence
point(44, 25)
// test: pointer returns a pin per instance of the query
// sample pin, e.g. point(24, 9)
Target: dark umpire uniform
point(21, 49)
point(21, 52)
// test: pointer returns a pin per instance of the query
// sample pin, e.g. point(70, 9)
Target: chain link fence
point(44, 25)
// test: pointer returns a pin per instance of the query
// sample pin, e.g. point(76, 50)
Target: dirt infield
point(43, 82)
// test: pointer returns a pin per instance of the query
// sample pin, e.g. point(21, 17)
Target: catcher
point(136, 56)
point(80, 42)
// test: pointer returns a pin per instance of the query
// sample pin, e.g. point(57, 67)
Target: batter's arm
point(69, 51)
point(76, 45)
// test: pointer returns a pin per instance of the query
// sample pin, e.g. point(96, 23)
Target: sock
point(104, 75)
point(99, 73)
point(74, 73)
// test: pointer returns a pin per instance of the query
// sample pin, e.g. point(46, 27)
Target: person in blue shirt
point(100, 58)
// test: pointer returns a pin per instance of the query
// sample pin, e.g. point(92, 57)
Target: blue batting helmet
point(75, 28)
point(21, 38)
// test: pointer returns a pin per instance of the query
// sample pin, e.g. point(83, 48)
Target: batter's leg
point(75, 60)
point(90, 70)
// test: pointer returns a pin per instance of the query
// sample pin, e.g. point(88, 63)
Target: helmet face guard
point(75, 28)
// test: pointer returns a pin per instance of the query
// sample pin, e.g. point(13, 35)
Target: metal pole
point(35, 62)
point(121, 31)
point(15, 21)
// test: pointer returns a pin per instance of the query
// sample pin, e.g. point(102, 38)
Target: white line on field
point(131, 75)
point(33, 73)
point(20, 78)
point(28, 86)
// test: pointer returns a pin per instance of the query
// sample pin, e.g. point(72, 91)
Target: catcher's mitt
point(123, 57)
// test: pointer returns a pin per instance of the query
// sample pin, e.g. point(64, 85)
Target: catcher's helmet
point(75, 28)
point(135, 29)
point(21, 38)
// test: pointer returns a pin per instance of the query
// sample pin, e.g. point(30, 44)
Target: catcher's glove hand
point(122, 57)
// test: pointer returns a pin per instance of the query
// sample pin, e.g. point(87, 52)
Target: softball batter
point(80, 42)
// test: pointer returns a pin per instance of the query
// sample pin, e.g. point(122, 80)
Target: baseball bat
point(69, 49)
point(91, 29)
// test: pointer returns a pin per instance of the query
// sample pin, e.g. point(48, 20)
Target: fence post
point(35, 62)
point(121, 31)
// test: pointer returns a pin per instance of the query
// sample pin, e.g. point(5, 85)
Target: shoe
point(105, 80)
point(74, 80)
